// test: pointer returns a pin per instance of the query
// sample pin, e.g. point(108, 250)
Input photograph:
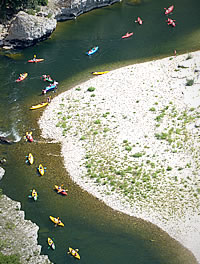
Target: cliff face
point(25, 30)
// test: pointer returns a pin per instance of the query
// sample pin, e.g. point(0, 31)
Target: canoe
point(171, 22)
point(74, 253)
point(169, 9)
point(92, 51)
point(99, 73)
point(36, 60)
point(47, 78)
point(22, 77)
point(55, 220)
point(30, 158)
point(49, 88)
point(51, 243)
point(33, 107)
point(127, 35)
point(34, 195)
point(139, 20)
point(41, 169)
point(29, 136)
point(64, 192)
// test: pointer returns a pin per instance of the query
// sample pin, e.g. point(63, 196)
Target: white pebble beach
point(131, 138)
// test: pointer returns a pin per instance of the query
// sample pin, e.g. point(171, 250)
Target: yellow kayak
point(74, 253)
point(38, 106)
point(56, 220)
point(51, 243)
point(99, 73)
point(34, 195)
point(41, 170)
point(30, 158)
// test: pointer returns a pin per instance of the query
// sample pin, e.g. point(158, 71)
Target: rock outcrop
point(19, 236)
point(25, 30)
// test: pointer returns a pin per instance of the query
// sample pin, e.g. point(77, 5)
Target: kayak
point(139, 20)
point(171, 22)
point(49, 88)
point(34, 195)
point(55, 220)
point(99, 73)
point(36, 60)
point(22, 77)
point(62, 191)
point(38, 106)
point(47, 78)
point(169, 10)
point(30, 158)
point(29, 136)
point(51, 243)
point(92, 51)
point(127, 35)
point(74, 253)
point(41, 170)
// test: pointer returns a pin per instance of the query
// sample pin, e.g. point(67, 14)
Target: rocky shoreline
point(131, 138)
point(27, 29)
point(18, 236)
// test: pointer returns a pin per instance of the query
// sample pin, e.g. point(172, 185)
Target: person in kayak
point(57, 220)
point(34, 58)
point(74, 252)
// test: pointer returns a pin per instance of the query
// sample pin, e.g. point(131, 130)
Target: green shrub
point(31, 12)
point(91, 89)
point(190, 82)
point(11, 259)
point(137, 155)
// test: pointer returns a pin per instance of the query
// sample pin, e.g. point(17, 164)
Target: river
point(102, 235)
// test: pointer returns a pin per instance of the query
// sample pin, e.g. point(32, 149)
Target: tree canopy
point(10, 7)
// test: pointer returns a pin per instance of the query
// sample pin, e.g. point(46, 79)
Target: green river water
point(102, 235)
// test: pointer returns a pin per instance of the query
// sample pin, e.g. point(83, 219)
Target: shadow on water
point(101, 234)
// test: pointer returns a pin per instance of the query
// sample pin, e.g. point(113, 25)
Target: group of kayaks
point(56, 220)
point(170, 21)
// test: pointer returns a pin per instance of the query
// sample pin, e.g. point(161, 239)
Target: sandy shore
point(131, 137)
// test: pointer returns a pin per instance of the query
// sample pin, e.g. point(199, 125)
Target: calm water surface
point(102, 235)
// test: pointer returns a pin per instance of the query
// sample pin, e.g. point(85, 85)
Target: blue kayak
point(92, 51)
point(49, 88)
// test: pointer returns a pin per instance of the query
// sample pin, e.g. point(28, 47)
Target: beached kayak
point(51, 243)
point(33, 107)
point(74, 253)
point(50, 88)
point(60, 190)
point(92, 51)
point(30, 158)
point(41, 170)
point(99, 73)
point(22, 77)
point(29, 136)
point(56, 221)
point(139, 21)
point(36, 60)
point(127, 35)
point(34, 195)
point(169, 9)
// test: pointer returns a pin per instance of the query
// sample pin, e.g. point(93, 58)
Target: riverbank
point(18, 236)
point(131, 138)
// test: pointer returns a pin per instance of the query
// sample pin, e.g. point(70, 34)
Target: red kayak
point(139, 20)
point(35, 60)
point(127, 35)
point(22, 77)
point(60, 190)
point(171, 22)
point(29, 137)
point(169, 10)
